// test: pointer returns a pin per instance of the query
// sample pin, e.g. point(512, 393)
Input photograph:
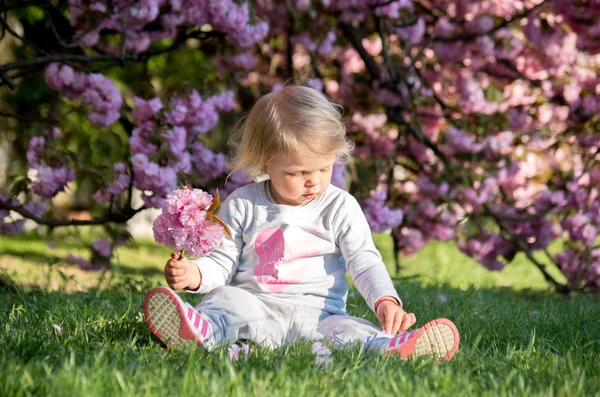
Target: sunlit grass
point(84, 334)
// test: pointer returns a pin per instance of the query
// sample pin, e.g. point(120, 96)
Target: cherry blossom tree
point(477, 121)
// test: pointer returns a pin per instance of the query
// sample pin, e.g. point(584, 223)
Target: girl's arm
point(364, 262)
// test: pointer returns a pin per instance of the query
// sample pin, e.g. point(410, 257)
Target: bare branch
point(15, 4)
point(51, 120)
point(115, 217)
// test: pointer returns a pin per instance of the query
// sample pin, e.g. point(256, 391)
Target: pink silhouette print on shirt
point(272, 256)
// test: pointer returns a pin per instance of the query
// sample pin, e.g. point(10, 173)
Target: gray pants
point(271, 321)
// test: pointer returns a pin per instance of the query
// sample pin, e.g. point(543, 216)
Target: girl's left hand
point(393, 319)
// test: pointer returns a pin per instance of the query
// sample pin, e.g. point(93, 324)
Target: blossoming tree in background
point(478, 120)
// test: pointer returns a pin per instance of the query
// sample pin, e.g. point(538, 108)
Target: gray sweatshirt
point(301, 253)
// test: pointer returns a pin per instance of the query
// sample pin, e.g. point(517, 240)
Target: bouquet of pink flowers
point(187, 223)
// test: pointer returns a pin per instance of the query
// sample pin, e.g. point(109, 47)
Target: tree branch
point(51, 120)
point(107, 57)
point(15, 4)
point(356, 41)
point(505, 23)
point(119, 217)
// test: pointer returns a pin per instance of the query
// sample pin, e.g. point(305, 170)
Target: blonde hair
point(295, 118)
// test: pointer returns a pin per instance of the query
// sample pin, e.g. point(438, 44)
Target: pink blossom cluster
point(12, 224)
point(237, 351)
point(153, 180)
point(184, 223)
point(581, 228)
point(380, 216)
point(412, 34)
point(358, 10)
point(233, 181)
point(207, 163)
point(486, 248)
point(584, 22)
point(115, 188)
point(95, 90)
point(146, 21)
point(242, 61)
point(198, 116)
point(580, 273)
point(102, 247)
point(9, 225)
point(170, 137)
point(378, 142)
point(322, 354)
point(337, 175)
point(52, 172)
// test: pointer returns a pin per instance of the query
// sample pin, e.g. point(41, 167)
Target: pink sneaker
point(175, 322)
point(437, 338)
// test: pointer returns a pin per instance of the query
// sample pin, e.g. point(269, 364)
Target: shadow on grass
point(490, 320)
point(45, 260)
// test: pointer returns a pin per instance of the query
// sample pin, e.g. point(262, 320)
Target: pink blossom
point(326, 46)
point(242, 61)
point(103, 247)
point(50, 181)
point(479, 25)
point(305, 40)
point(232, 182)
point(235, 350)
point(144, 111)
point(208, 163)
point(412, 34)
point(459, 142)
point(35, 208)
point(184, 225)
point(322, 354)
point(430, 189)
point(580, 229)
point(117, 187)
point(485, 248)
point(95, 90)
point(316, 84)
point(444, 28)
point(379, 216)
point(410, 240)
point(337, 175)
point(36, 147)
point(7, 224)
point(223, 102)
point(149, 176)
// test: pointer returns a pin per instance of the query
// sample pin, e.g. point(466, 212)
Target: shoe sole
point(166, 318)
point(438, 338)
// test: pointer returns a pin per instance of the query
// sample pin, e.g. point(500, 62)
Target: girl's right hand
point(181, 273)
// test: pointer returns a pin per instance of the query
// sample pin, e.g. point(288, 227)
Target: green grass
point(517, 338)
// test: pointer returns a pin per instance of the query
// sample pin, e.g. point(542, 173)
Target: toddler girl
point(282, 276)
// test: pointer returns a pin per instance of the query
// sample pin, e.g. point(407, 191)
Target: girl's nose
point(310, 181)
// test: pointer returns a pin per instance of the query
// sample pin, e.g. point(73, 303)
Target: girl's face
point(301, 178)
